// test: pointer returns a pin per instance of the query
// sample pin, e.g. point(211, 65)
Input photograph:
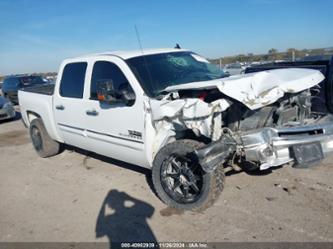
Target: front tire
point(43, 144)
point(179, 180)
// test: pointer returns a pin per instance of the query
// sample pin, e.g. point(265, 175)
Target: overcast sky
point(35, 35)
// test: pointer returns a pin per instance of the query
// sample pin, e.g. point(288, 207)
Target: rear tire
point(198, 191)
point(43, 144)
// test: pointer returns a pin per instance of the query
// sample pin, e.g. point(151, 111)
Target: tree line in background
point(273, 55)
point(44, 75)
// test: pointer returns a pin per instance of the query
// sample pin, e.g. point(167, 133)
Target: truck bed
point(37, 101)
point(46, 89)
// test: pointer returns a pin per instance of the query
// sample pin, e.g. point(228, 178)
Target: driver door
point(114, 129)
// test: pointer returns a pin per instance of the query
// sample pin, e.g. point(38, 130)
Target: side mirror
point(106, 91)
point(126, 93)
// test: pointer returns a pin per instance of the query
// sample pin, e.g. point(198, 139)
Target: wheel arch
point(49, 126)
point(31, 115)
point(44, 145)
point(189, 134)
point(212, 182)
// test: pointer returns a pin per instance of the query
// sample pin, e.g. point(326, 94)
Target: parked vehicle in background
point(172, 111)
point(325, 57)
point(51, 79)
point(13, 83)
point(234, 68)
point(1, 83)
point(7, 110)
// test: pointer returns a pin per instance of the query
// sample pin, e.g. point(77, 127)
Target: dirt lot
point(63, 199)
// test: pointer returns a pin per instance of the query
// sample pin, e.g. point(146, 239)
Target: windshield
point(31, 80)
point(158, 71)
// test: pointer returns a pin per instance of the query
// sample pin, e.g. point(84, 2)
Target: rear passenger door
point(67, 106)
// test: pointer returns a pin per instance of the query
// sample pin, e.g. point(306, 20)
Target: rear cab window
point(72, 80)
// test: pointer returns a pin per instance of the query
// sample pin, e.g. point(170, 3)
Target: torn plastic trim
point(212, 155)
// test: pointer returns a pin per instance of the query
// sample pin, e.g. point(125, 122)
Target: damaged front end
point(304, 145)
point(270, 147)
point(264, 118)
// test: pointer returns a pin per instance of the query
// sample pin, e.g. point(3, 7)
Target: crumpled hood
point(256, 90)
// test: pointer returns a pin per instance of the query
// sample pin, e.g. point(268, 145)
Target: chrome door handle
point(92, 112)
point(60, 107)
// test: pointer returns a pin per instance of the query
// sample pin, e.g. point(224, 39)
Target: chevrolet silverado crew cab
point(172, 111)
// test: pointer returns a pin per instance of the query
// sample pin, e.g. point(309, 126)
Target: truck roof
point(132, 53)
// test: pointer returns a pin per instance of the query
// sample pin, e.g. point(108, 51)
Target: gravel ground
point(79, 197)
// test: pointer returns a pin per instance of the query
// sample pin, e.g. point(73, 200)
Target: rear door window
point(72, 81)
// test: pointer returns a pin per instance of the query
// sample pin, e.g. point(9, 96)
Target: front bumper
point(273, 147)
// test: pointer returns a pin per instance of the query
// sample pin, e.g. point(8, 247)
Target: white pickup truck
point(172, 111)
